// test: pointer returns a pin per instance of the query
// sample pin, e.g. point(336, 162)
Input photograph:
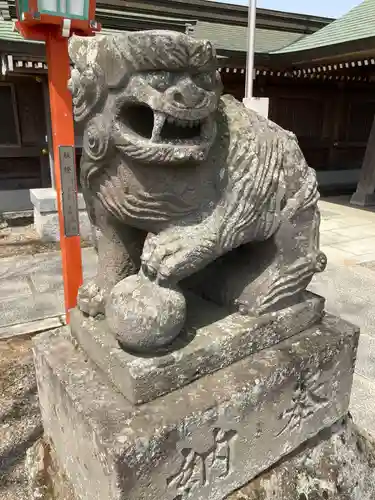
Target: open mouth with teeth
point(161, 128)
point(159, 136)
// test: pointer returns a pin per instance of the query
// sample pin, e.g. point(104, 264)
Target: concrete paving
point(348, 239)
point(31, 293)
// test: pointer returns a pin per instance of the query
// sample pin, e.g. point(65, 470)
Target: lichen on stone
point(339, 464)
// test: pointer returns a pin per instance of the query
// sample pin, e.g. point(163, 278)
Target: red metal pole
point(33, 6)
point(92, 9)
point(63, 135)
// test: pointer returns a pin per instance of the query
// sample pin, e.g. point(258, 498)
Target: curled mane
point(120, 55)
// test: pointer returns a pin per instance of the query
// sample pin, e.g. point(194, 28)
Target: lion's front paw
point(174, 256)
point(91, 299)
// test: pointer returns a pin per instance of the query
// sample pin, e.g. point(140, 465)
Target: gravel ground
point(20, 421)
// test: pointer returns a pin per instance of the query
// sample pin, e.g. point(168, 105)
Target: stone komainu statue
point(190, 190)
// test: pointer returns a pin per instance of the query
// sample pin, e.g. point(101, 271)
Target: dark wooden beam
point(127, 23)
point(110, 20)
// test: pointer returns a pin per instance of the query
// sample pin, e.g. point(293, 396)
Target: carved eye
point(205, 80)
point(159, 81)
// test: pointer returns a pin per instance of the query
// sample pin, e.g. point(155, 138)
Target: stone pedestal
point(226, 402)
point(46, 217)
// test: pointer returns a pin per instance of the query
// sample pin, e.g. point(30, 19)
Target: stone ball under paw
point(143, 315)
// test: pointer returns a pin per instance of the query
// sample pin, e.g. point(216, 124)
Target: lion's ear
point(78, 48)
point(202, 53)
point(102, 51)
point(114, 61)
point(87, 51)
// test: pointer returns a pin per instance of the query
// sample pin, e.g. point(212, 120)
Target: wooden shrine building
point(318, 73)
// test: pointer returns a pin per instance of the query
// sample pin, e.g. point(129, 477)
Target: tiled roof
point(234, 38)
point(357, 24)
point(226, 37)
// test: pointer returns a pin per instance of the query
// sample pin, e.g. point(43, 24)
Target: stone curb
point(31, 327)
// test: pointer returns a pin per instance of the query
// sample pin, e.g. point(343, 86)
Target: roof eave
point(237, 59)
point(347, 51)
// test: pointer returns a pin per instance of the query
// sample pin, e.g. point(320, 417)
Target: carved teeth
point(159, 120)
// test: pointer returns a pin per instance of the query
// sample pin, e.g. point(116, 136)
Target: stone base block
point(211, 341)
point(337, 464)
point(46, 219)
point(204, 440)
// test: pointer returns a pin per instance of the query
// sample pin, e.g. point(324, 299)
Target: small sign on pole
point(69, 190)
point(54, 21)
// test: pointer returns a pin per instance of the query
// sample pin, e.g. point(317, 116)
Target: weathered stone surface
point(46, 480)
point(201, 189)
point(203, 441)
point(212, 340)
point(339, 464)
point(35, 467)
